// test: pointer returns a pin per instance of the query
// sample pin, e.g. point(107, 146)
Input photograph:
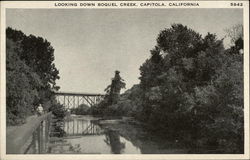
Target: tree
point(108, 106)
point(22, 85)
point(31, 74)
point(114, 89)
point(38, 54)
point(193, 86)
point(151, 69)
point(234, 33)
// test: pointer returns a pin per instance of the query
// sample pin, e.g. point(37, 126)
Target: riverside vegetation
point(30, 76)
point(191, 87)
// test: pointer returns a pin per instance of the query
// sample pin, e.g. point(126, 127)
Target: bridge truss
point(73, 100)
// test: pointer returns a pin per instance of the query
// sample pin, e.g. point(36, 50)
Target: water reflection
point(85, 135)
point(81, 127)
point(113, 140)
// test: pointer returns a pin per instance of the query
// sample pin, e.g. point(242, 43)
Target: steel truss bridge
point(73, 99)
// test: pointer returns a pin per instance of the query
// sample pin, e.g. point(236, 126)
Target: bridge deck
point(78, 94)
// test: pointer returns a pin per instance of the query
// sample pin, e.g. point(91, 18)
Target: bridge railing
point(32, 137)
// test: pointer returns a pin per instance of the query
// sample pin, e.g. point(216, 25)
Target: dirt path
point(12, 129)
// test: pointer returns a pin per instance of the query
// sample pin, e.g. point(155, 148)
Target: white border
point(51, 4)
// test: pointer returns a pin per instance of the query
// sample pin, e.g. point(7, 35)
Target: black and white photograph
point(158, 81)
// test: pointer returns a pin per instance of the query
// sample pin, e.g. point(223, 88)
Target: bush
point(58, 110)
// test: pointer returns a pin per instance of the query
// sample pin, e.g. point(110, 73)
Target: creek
point(90, 135)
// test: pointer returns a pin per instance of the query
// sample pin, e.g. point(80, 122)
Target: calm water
point(87, 135)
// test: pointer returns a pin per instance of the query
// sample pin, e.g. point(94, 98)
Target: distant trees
point(82, 109)
point(109, 105)
point(31, 74)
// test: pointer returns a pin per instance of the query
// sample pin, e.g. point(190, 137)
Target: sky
point(90, 44)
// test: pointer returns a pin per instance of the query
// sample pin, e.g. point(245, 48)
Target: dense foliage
point(58, 110)
point(191, 89)
point(193, 86)
point(30, 75)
